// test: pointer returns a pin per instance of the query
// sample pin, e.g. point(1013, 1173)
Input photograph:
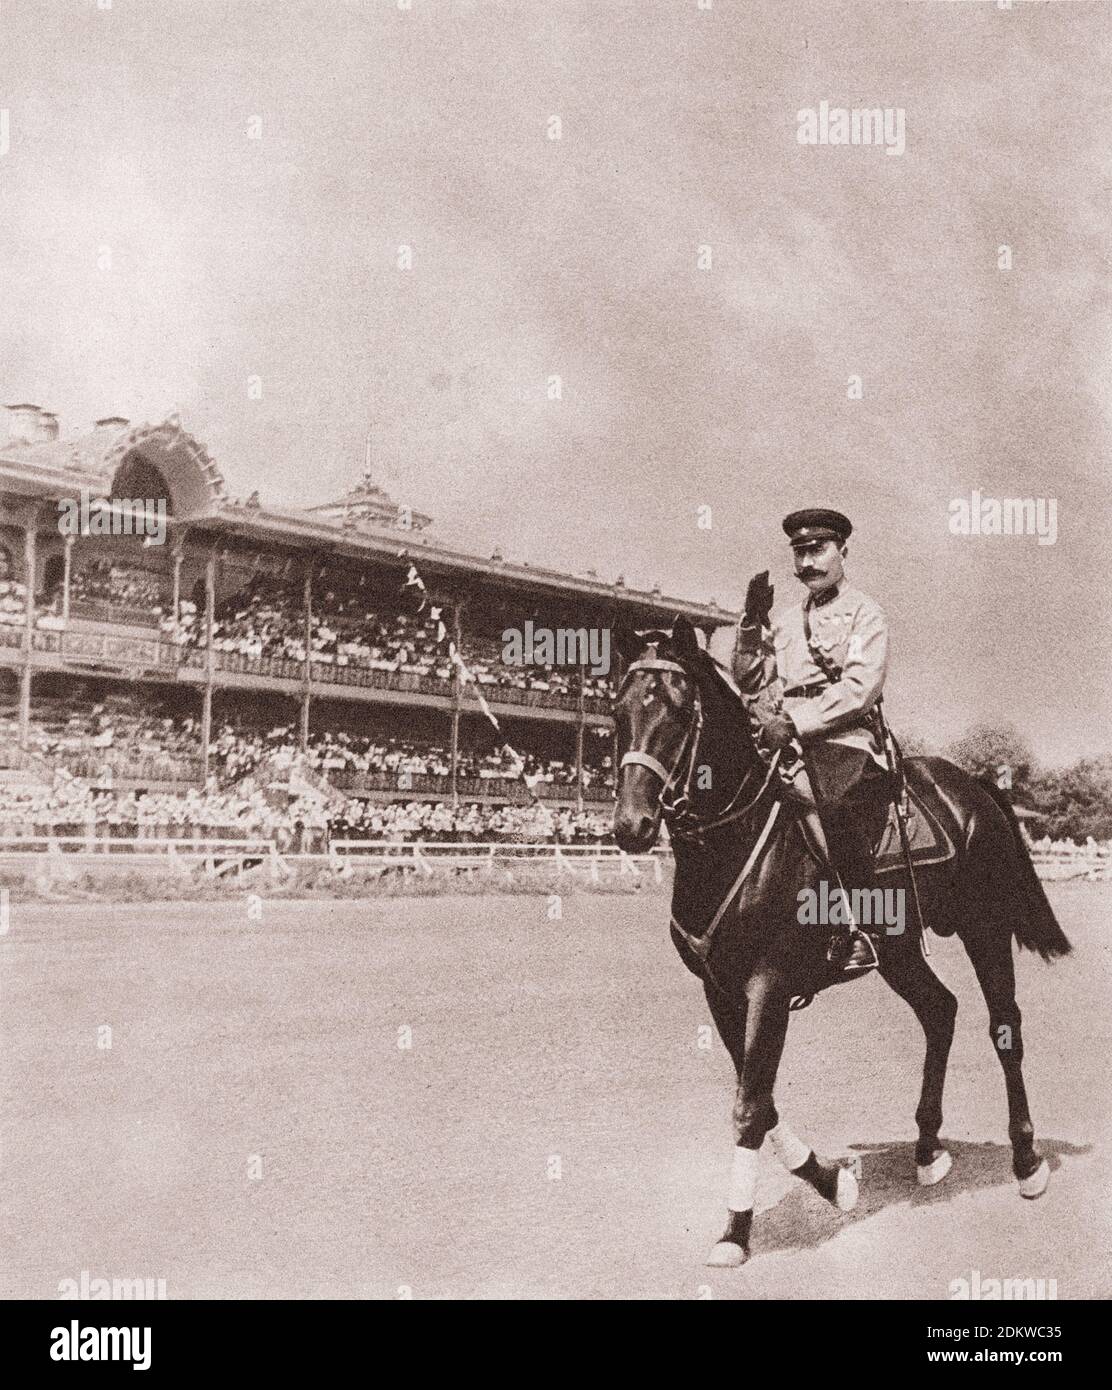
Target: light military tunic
point(847, 653)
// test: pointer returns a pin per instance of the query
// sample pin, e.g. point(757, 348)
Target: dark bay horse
point(688, 757)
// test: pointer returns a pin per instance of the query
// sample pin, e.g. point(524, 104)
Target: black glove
point(772, 727)
point(758, 600)
point(778, 731)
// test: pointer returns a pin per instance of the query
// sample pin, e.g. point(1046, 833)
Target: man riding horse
point(811, 678)
point(695, 753)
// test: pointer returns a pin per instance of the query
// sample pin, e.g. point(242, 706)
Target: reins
point(684, 822)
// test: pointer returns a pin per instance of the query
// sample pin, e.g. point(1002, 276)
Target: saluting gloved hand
point(758, 601)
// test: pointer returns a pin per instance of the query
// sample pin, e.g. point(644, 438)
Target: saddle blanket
point(929, 839)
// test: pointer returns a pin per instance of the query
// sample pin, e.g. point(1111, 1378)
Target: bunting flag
point(413, 580)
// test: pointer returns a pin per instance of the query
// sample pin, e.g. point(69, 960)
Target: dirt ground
point(555, 1126)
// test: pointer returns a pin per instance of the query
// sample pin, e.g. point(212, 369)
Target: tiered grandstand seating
point(122, 736)
point(265, 622)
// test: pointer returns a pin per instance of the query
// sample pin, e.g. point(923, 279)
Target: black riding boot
point(856, 828)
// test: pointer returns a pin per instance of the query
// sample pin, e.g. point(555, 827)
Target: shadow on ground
point(802, 1220)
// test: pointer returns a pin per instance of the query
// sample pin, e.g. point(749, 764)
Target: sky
point(202, 206)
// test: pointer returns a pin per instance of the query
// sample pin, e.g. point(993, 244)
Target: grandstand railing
point(329, 673)
point(103, 610)
point(506, 788)
point(373, 678)
point(425, 857)
point(482, 849)
point(90, 764)
point(112, 648)
point(369, 859)
point(151, 650)
point(99, 846)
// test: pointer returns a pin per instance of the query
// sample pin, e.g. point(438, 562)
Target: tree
point(1076, 801)
point(998, 752)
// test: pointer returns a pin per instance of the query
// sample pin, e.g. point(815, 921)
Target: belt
point(807, 692)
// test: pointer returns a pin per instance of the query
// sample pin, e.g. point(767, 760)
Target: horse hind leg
point(990, 950)
point(905, 970)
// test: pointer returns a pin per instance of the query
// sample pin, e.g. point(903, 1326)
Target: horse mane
point(723, 676)
point(705, 665)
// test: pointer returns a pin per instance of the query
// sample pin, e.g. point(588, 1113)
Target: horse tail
point(1037, 927)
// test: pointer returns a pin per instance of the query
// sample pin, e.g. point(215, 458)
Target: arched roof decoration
point(193, 481)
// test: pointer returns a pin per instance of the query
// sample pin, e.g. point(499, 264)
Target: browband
point(646, 760)
point(656, 664)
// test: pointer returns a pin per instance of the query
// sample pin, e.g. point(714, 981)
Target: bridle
point(688, 748)
point(683, 820)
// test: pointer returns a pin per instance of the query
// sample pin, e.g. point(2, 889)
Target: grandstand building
point(143, 662)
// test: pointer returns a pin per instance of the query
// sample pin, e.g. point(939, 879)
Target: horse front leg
point(730, 1020)
point(833, 1181)
point(757, 1031)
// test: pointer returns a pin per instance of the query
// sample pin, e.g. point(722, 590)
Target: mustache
point(810, 573)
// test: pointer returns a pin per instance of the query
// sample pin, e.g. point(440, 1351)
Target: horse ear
point(684, 639)
point(627, 642)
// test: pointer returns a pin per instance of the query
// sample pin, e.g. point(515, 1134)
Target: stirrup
point(859, 934)
point(840, 949)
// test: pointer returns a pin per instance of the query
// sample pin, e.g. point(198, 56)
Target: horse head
point(657, 712)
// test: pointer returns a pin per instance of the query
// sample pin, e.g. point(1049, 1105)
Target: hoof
point(831, 1181)
point(733, 1247)
point(933, 1172)
point(846, 1192)
point(1035, 1185)
point(727, 1255)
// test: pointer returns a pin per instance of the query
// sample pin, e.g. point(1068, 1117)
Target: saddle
point(929, 839)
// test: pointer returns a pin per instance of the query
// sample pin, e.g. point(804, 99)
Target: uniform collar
point(825, 596)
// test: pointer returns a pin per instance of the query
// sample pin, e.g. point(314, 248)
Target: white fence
point(1064, 860)
point(1053, 861)
point(373, 858)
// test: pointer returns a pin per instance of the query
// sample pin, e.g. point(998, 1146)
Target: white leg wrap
point(743, 1179)
point(792, 1152)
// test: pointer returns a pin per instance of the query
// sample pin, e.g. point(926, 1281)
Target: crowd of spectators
point(99, 740)
point(13, 594)
point(72, 808)
point(118, 586)
point(238, 751)
point(266, 619)
point(129, 737)
point(436, 821)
